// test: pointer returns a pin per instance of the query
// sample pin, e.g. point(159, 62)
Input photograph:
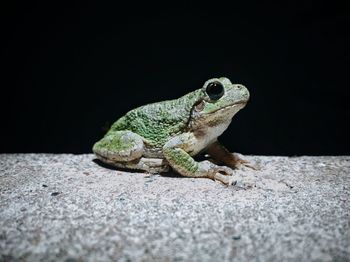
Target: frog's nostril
point(247, 95)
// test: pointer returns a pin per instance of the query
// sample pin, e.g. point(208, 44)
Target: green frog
point(168, 134)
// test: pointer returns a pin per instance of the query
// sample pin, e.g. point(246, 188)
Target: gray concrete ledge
point(68, 208)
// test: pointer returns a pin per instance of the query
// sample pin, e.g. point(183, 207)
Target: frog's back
point(160, 121)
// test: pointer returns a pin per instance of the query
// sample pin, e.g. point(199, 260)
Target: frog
point(161, 136)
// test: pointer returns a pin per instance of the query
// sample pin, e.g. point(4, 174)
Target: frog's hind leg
point(124, 149)
point(119, 146)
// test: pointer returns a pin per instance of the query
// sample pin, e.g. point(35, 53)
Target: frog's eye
point(215, 90)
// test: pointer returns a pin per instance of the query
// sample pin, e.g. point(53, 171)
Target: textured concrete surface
point(69, 208)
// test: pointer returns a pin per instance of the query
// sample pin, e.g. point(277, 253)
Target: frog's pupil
point(215, 90)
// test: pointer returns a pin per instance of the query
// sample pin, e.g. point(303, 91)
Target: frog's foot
point(226, 180)
point(238, 163)
point(215, 172)
point(221, 155)
point(227, 176)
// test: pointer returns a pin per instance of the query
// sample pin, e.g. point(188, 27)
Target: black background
point(69, 71)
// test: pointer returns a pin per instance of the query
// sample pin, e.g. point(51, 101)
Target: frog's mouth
point(233, 107)
point(221, 115)
point(227, 112)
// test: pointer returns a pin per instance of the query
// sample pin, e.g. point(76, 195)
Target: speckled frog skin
point(167, 134)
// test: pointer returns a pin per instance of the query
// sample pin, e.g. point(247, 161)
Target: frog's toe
point(244, 163)
point(241, 163)
point(225, 179)
point(224, 175)
point(224, 170)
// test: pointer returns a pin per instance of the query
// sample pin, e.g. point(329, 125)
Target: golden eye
point(215, 90)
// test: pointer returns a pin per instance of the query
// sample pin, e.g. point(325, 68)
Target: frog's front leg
point(177, 151)
point(219, 153)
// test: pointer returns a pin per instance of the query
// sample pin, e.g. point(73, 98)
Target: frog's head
point(219, 101)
